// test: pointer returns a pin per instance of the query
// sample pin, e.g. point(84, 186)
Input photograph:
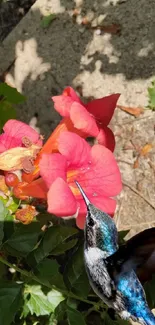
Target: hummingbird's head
point(98, 224)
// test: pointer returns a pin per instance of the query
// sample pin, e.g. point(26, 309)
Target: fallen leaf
point(76, 12)
point(85, 21)
point(46, 21)
point(110, 29)
point(146, 149)
point(136, 163)
point(136, 111)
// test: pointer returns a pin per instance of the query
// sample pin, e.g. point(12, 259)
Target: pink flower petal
point(82, 120)
point(101, 177)
point(103, 108)
point(17, 129)
point(61, 200)
point(62, 104)
point(106, 138)
point(105, 176)
point(69, 91)
point(105, 204)
point(74, 148)
point(52, 166)
point(7, 142)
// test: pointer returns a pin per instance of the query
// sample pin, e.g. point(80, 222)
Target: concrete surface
point(97, 63)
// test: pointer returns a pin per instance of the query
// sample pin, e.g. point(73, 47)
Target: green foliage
point(76, 276)
point(46, 21)
point(43, 278)
point(39, 303)
point(151, 95)
point(10, 301)
point(74, 317)
point(48, 273)
point(9, 98)
point(23, 239)
point(121, 235)
point(54, 237)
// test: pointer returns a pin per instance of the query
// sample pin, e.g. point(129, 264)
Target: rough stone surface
point(98, 63)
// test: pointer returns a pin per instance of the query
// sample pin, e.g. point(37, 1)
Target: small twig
point(124, 161)
point(133, 189)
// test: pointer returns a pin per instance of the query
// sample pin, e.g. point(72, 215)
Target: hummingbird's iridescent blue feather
point(112, 269)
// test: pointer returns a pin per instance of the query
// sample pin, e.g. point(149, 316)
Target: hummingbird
point(116, 273)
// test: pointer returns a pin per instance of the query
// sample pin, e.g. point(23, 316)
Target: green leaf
point(55, 297)
point(75, 317)
point(48, 272)
point(65, 247)
point(76, 275)
point(53, 238)
point(121, 235)
point(7, 112)
point(14, 204)
point(11, 94)
point(151, 95)
point(3, 215)
point(46, 21)
point(59, 313)
point(149, 288)
point(3, 271)
point(24, 238)
point(10, 301)
point(38, 303)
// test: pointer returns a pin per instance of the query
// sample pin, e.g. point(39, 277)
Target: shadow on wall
point(49, 59)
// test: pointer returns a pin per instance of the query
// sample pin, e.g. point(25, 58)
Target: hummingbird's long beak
point(83, 194)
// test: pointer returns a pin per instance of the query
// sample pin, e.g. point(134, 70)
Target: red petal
point(61, 200)
point(74, 148)
point(106, 138)
point(52, 167)
point(37, 189)
point(69, 91)
point(103, 108)
point(82, 120)
point(62, 104)
point(17, 129)
point(7, 142)
point(106, 205)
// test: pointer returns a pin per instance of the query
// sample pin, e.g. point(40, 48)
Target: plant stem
point(33, 277)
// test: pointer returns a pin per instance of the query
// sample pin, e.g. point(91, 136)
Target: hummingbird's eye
point(91, 222)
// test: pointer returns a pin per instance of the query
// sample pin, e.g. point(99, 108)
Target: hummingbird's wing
point(137, 253)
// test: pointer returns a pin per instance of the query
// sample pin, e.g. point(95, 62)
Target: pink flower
point(94, 168)
point(18, 134)
point(91, 119)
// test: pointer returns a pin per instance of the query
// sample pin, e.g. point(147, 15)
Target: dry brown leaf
point(136, 111)
point(110, 29)
point(146, 149)
point(85, 21)
point(136, 163)
point(76, 12)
